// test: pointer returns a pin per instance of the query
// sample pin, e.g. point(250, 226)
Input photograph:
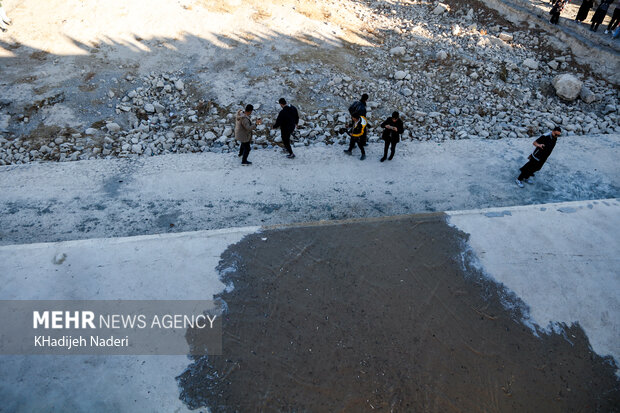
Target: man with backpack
point(544, 145)
point(287, 121)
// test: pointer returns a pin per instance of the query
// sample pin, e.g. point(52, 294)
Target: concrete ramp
point(509, 309)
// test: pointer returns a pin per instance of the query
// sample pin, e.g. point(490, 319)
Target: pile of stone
point(452, 74)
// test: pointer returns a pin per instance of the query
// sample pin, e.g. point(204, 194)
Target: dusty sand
point(384, 316)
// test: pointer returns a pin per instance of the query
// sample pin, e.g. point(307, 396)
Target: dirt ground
point(396, 319)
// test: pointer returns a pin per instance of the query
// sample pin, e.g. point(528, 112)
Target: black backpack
point(356, 108)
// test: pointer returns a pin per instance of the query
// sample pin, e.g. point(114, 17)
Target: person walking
point(599, 15)
point(357, 132)
point(555, 11)
point(615, 19)
point(392, 129)
point(544, 146)
point(4, 19)
point(584, 9)
point(287, 121)
point(243, 132)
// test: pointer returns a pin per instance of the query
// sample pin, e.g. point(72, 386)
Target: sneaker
point(391, 157)
point(348, 152)
point(382, 159)
point(240, 154)
point(290, 155)
point(519, 183)
point(362, 157)
point(246, 163)
point(606, 31)
point(530, 181)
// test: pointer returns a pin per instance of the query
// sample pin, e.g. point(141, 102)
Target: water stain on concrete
point(384, 316)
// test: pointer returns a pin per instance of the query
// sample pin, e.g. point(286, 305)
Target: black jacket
point(549, 141)
point(359, 130)
point(390, 135)
point(287, 119)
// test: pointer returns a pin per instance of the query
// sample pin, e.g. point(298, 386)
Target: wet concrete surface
point(389, 315)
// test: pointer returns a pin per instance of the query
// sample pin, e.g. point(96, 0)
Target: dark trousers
point(286, 140)
point(244, 151)
point(358, 142)
point(614, 21)
point(387, 144)
point(594, 26)
point(555, 17)
point(529, 169)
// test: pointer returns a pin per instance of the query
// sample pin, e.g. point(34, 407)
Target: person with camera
point(287, 121)
point(243, 132)
point(392, 129)
point(544, 146)
point(357, 132)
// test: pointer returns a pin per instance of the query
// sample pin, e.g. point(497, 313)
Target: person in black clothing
point(359, 106)
point(358, 135)
point(599, 15)
point(556, 10)
point(393, 128)
point(584, 9)
point(615, 19)
point(544, 146)
point(287, 121)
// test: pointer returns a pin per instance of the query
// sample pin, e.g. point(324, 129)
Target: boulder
point(113, 127)
point(567, 86)
point(587, 95)
point(400, 75)
point(506, 37)
point(441, 8)
point(530, 63)
point(397, 51)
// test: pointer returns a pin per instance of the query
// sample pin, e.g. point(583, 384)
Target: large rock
point(587, 95)
point(506, 37)
point(530, 63)
point(441, 8)
point(400, 75)
point(397, 51)
point(567, 86)
point(113, 127)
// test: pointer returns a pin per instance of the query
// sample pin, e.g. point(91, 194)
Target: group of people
point(584, 10)
point(288, 120)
